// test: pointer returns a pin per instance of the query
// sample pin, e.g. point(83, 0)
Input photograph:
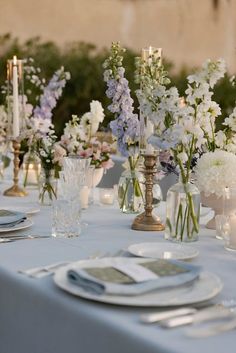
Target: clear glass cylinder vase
point(47, 187)
point(31, 169)
point(182, 212)
point(130, 192)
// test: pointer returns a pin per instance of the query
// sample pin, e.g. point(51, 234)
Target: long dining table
point(38, 317)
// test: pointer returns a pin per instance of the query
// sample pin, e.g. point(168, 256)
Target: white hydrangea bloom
point(215, 171)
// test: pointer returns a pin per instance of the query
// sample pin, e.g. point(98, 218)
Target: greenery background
point(84, 62)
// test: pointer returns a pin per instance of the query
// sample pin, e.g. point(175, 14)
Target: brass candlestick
point(146, 220)
point(15, 190)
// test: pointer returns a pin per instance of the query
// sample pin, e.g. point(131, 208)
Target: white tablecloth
point(38, 317)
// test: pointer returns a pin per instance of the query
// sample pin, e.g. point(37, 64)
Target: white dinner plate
point(166, 250)
point(25, 224)
point(29, 210)
point(205, 288)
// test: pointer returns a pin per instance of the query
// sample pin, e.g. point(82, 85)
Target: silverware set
point(204, 322)
point(11, 238)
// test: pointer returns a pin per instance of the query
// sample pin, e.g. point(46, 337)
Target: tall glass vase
point(182, 212)
point(130, 189)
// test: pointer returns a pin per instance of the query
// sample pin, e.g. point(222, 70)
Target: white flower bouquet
point(80, 139)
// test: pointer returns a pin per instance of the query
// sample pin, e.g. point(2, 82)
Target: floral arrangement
point(79, 137)
point(183, 126)
point(39, 131)
point(215, 171)
point(125, 127)
point(51, 154)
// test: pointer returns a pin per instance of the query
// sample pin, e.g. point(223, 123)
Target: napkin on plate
point(10, 218)
point(133, 278)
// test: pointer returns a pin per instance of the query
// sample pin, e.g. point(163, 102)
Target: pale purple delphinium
point(51, 94)
point(125, 127)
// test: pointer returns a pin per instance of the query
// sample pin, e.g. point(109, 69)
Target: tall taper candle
point(16, 121)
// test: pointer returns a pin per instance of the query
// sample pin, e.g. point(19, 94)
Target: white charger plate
point(158, 250)
point(205, 288)
point(25, 224)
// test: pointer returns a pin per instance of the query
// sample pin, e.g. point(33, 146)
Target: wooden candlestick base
point(146, 220)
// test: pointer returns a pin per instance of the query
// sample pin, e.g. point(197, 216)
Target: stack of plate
point(204, 288)
point(11, 220)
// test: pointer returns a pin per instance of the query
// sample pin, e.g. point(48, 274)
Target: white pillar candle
point(148, 132)
point(84, 196)
point(16, 122)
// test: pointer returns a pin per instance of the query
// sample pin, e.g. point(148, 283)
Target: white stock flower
point(183, 157)
point(215, 171)
point(231, 120)
point(220, 139)
point(97, 111)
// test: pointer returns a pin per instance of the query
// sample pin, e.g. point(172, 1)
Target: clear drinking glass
point(66, 219)
point(229, 223)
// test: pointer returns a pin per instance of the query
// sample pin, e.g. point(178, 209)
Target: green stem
point(179, 217)
point(183, 223)
point(26, 176)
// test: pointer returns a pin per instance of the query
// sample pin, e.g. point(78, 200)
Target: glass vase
point(130, 192)
point(182, 212)
point(47, 187)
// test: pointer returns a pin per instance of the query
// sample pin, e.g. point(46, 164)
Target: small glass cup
point(221, 226)
point(106, 196)
point(66, 218)
point(229, 232)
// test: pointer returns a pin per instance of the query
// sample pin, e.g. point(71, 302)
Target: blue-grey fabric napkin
point(112, 280)
point(10, 218)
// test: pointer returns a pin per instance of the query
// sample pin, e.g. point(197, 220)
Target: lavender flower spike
point(51, 94)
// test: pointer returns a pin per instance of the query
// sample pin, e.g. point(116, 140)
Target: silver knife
point(164, 315)
point(213, 313)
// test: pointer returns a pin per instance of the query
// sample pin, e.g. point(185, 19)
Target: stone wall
point(189, 31)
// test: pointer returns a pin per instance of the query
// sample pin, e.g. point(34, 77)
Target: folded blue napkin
point(133, 278)
point(10, 218)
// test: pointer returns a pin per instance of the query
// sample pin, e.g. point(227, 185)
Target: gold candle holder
point(15, 190)
point(147, 221)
